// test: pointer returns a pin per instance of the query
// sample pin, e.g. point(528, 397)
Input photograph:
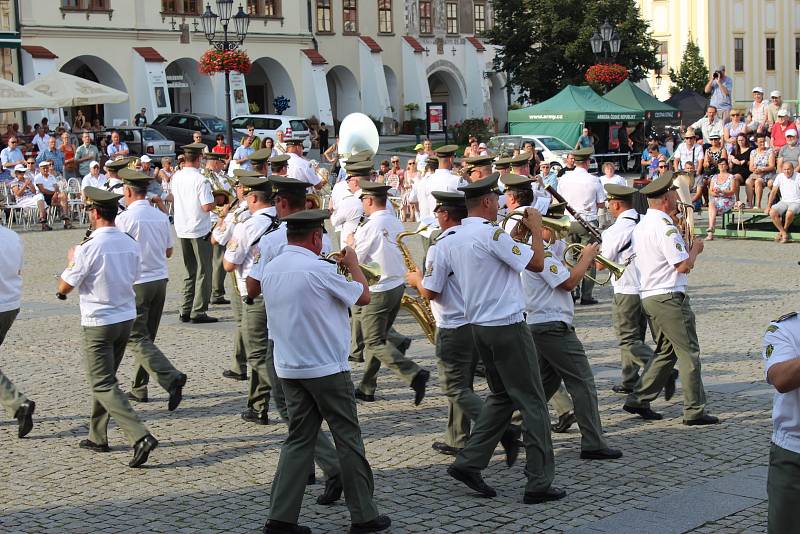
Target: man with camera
point(721, 89)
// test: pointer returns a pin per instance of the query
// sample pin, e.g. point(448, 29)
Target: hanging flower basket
point(214, 61)
point(606, 75)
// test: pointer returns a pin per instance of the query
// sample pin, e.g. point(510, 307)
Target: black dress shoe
point(92, 446)
point(644, 413)
point(227, 373)
point(565, 422)
point(419, 384)
point(382, 522)
point(619, 388)
point(221, 300)
point(363, 396)
point(705, 419)
point(669, 387)
point(142, 450)
point(601, 454)
point(473, 481)
point(183, 318)
point(259, 418)
point(552, 494)
point(589, 302)
point(333, 491)
point(312, 479)
point(510, 443)
point(134, 398)
point(281, 527)
point(444, 448)
point(176, 392)
point(202, 319)
point(24, 416)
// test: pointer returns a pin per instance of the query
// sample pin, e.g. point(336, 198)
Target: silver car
point(154, 145)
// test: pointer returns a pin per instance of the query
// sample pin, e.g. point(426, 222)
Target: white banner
point(239, 103)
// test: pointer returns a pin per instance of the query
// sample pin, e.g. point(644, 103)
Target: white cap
point(44, 163)
point(792, 133)
point(775, 93)
point(93, 164)
point(20, 168)
point(482, 145)
point(145, 159)
point(758, 89)
point(782, 113)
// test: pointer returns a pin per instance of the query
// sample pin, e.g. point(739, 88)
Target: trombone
point(371, 271)
point(684, 210)
point(615, 269)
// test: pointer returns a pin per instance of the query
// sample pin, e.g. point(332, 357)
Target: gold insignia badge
point(772, 328)
point(429, 271)
point(671, 231)
point(257, 257)
point(497, 233)
point(554, 269)
point(769, 350)
point(232, 245)
point(71, 265)
point(515, 249)
point(679, 247)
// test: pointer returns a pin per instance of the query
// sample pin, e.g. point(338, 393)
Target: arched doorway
point(343, 93)
point(98, 70)
point(499, 99)
point(445, 87)
point(189, 89)
point(267, 81)
point(394, 91)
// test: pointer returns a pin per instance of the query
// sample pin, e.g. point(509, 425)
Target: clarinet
point(591, 230)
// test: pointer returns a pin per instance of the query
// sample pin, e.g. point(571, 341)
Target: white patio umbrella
point(16, 97)
point(68, 90)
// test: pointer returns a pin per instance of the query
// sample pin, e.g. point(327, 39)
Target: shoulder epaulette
point(442, 236)
point(362, 220)
point(490, 223)
point(85, 239)
point(129, 235)
point(785, 317)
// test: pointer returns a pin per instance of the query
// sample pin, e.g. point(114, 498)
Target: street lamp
point(605, 44)
point(241, 21)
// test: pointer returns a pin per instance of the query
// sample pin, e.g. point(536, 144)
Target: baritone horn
point(371, 271)
point(614, 269)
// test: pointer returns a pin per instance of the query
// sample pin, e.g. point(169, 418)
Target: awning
point(68, 90)
point(15, 97)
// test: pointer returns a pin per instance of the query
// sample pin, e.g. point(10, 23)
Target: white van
point(268, 126)
point(551, 149)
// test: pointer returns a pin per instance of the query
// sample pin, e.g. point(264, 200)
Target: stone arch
point(189, 89)
point(499, 99)
point(268, 80)
point(343, 92)
point(99, 70)
point(448, 85)
point(393, 86)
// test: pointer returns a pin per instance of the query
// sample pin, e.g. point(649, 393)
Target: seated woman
point(722, 195)
point(740, 161)
point(762, 169)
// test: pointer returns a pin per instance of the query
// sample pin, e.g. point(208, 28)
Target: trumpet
point(419, 307)
point(614, 269)
point(371, 271)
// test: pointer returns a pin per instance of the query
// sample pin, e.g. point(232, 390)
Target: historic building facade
point(328, 58)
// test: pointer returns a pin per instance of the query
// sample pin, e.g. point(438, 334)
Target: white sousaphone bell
point(358, 135)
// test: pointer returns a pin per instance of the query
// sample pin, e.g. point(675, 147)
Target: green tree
point(692, 72)
point(544, 44)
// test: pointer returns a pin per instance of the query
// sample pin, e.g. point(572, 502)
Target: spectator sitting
point(758, 112)
point(740, 161)
point(709, 124)
point(790, 151)
point(721, 88)
point(40, 139)
point(94, 178)
point(10, 158)
point(52, 154)
point(47, 184)
point(610, 175)
point(696, 186)
point(26, 196)
point(471, 149)
point(689, 150)
point(762, 166)
point(547, 175)
point(734, 128)
point(779, 129)
point(715, 153)
point(722, 190)
point(775, 105)
point(658, 166)
point(788, 184)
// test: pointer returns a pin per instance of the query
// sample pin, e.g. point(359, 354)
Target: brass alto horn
point(371, 271)
point(614, 269)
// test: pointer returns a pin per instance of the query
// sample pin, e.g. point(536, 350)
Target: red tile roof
point(315, 57)
point(39, 52)
point(476, 43)
point(418, 48)
point(149, 54)
point(371, 44)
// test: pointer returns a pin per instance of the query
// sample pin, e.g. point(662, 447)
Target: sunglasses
point(662, 166)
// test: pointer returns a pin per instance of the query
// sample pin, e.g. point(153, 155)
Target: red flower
point(213, 61)
point(610, 75)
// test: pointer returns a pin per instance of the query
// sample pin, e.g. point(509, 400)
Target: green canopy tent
point(629, 95)
point(565, 114)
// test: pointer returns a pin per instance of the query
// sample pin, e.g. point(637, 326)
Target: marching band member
point(298, 167)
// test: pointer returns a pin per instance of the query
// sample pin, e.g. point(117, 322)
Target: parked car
point(268, 126)
point(155, 144)
point(180, 126)
point(551, 149)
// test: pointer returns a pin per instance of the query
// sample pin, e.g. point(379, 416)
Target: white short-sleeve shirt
point(375, 242)
point(788, 186)
point(48, 182)
point(487, 264)
point(10, 270)
point(151, 229)
point(684, 154)
point(781, 343)
point(300, 169)
point(618, 247)
point(99, 181)
point(582, 191)
point(448, 307)
point(544, 300)
point(659, 246)
point(271, 245)
point(307, 305)
point(222, 233)
point(104, 269)
point(191, 192)
point(242, 249)
point(616, 179)
point(347, 213)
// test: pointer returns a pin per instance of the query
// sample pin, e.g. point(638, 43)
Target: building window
point(263, 8)
point(87, 5)
point(770, 53)
point(71, 4)
point(738, 54)
point(324, 20)
point(479, 16)
point(272, 8)
point(451, 10)
point(350, 16)
point(425, 16)
point(797, 52)
point(385, 16)
point(98, 5)
point(169, 6)
point(191, 7)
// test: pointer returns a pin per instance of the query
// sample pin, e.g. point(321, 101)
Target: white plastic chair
point(75, 199)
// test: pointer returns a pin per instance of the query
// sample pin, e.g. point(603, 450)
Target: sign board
point(239, 104)
point(157, 84)
point(436, 117)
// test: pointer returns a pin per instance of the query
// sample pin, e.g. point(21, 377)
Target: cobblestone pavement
point(212, 472)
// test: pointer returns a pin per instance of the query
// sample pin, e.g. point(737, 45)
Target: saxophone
point(418, 306)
